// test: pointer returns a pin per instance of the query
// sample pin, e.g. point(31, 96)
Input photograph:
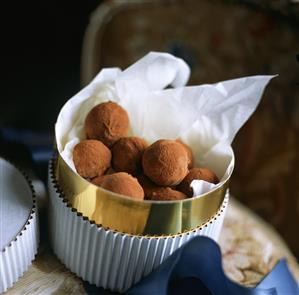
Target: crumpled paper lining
point(206, 117)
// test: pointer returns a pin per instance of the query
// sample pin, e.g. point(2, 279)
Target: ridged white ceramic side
point(110, 259)
point(18, 255)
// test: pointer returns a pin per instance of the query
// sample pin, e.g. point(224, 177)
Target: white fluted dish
point(108, 258)
point(20, 237)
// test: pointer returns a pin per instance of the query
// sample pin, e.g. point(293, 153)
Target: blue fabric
point(39, 144)
point(196, 268)
point(30, 150)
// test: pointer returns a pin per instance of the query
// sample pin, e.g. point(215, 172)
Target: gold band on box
point(135, 217)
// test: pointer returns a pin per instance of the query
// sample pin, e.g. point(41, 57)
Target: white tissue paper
point(206, 117)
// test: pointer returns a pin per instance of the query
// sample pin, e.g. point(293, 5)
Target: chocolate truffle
point(196, 173)
point(166, 194)
point(127, 153)
point(165, 162)
point(189, 153)
point(107, 122)
point(124, 184)
point(91, 158)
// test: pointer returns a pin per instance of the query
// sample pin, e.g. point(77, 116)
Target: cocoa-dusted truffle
point(189, 153)
point(127, 153)
point(124, 184)
point(91, 158)
point(107, 122)
point(166, 194)
point(165, 162)
point(196, 173)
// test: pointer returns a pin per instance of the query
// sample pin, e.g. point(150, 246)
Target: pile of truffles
point(128, 165)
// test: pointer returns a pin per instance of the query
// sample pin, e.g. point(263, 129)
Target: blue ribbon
point(196, 268)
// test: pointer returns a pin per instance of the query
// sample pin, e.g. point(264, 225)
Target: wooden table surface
point(249, 245)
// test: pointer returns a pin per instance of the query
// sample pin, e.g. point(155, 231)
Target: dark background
point(41, 61)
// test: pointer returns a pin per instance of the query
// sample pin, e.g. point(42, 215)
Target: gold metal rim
point(64, 199)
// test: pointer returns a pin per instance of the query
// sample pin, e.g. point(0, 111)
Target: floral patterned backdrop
point(222, 40)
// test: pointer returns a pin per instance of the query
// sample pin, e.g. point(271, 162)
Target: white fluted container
point(16, 255)
point(107, 258)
